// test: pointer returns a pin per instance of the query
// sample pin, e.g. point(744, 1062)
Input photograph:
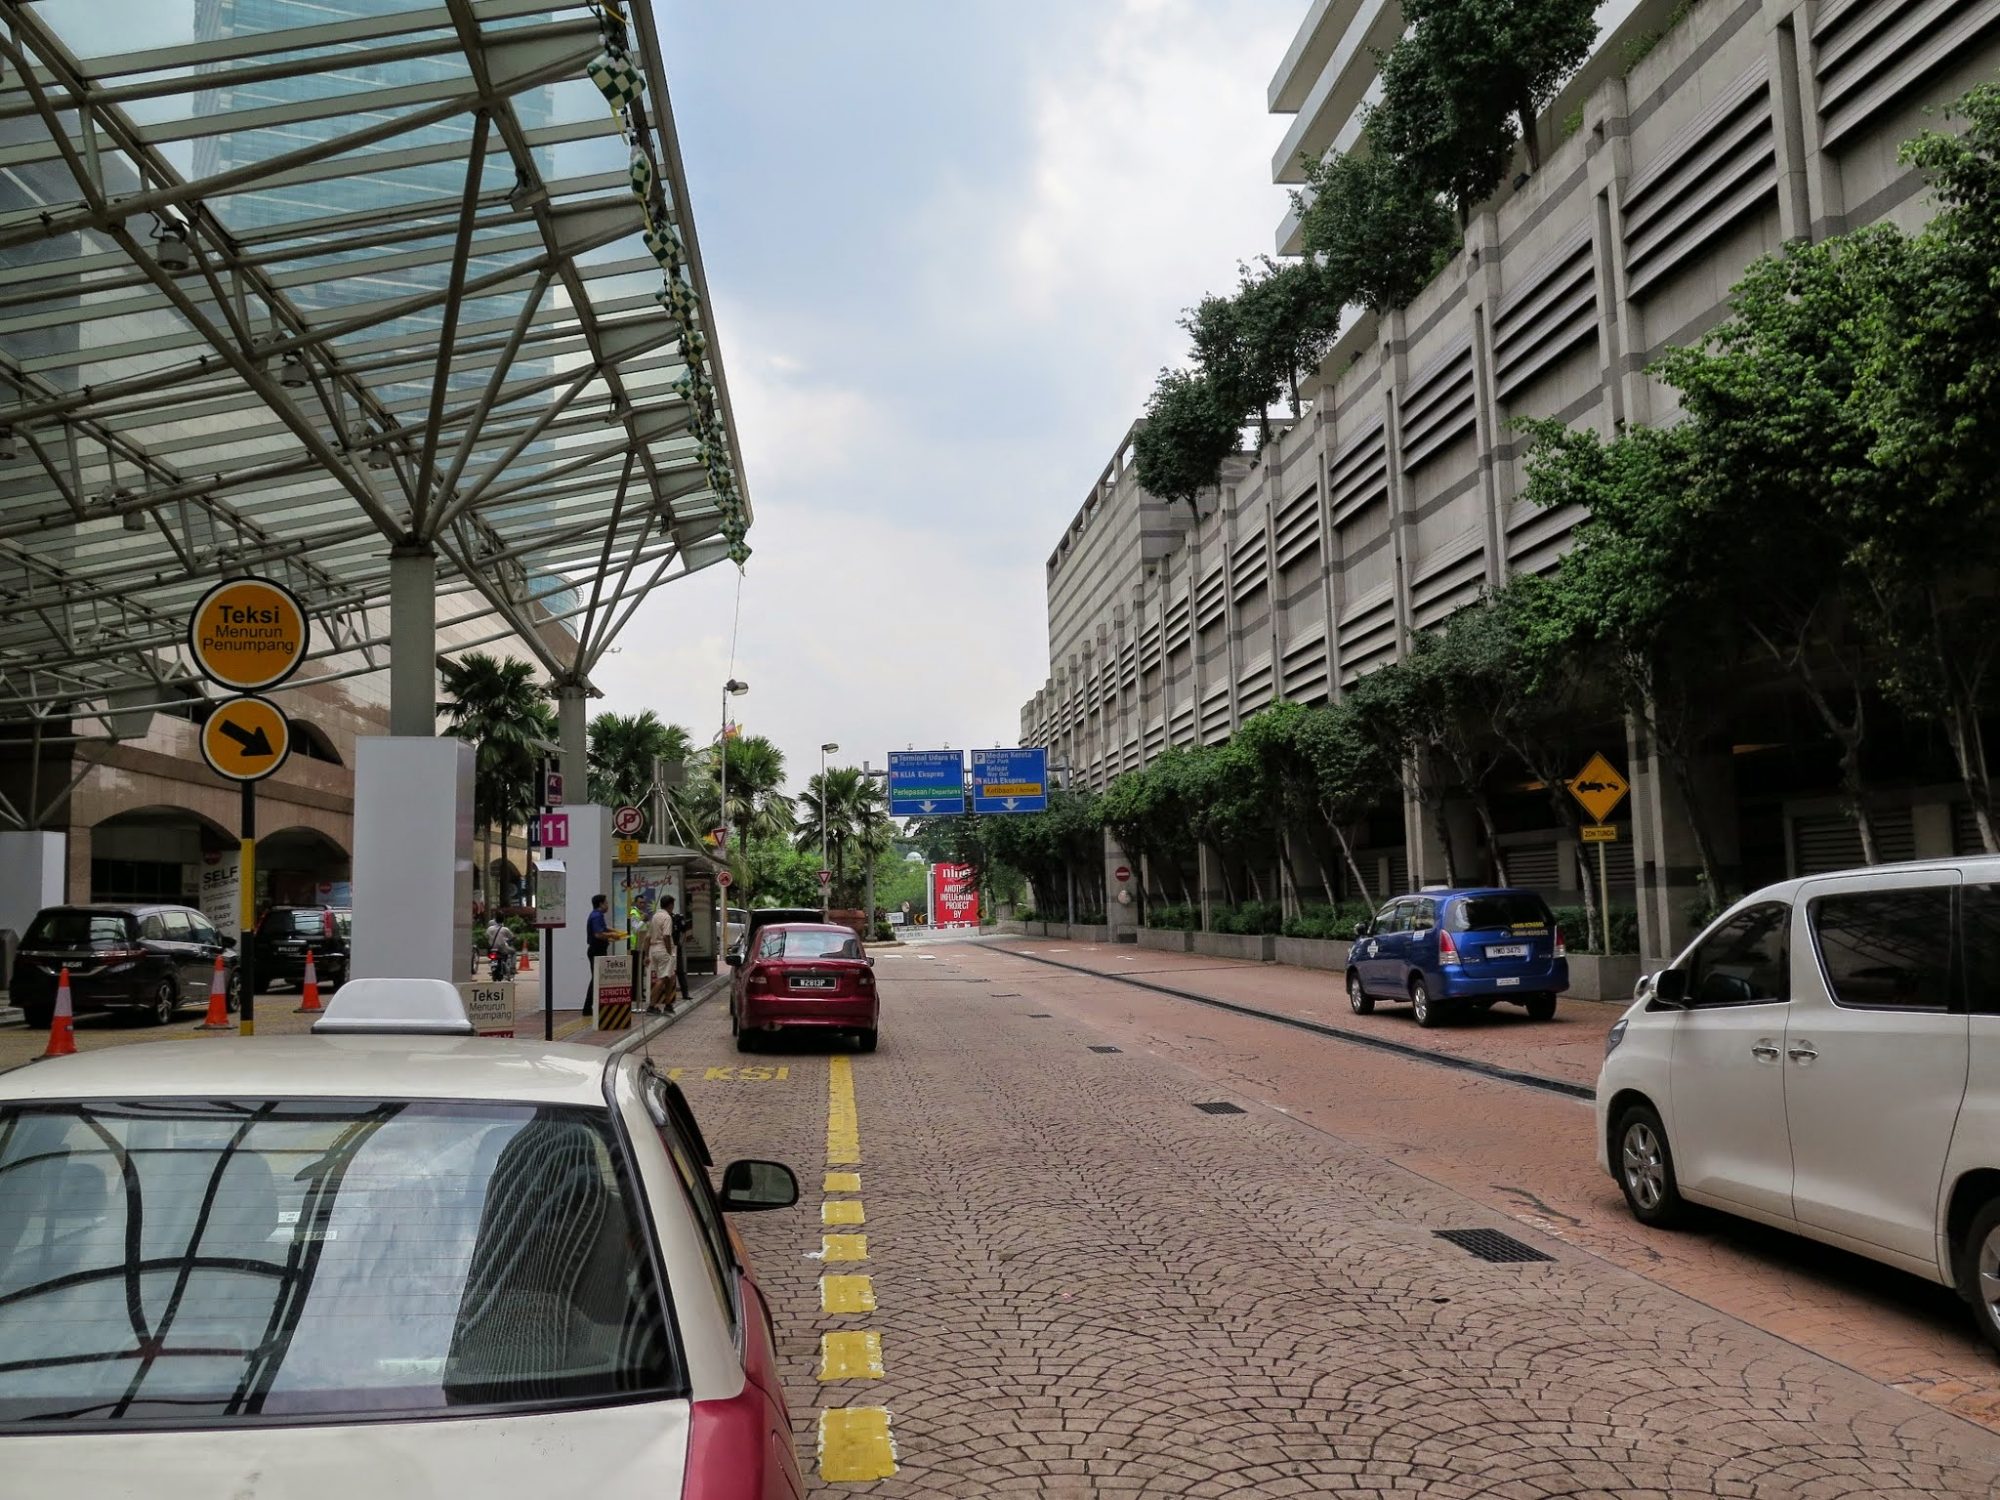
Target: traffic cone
point(310, 1004)
point(527, 961)
point(62, 1025)
point(218, 1001)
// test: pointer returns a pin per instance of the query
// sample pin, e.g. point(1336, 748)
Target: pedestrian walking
point(683, 924)
point(662, 944)
point(597, 935)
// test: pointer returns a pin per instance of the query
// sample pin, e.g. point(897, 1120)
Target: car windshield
point(1502, 909)
point(310, 920)
point(75, 929)
point(820, 945)
point(204, 1263)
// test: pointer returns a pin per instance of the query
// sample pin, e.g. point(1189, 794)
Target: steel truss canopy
point(305, 282)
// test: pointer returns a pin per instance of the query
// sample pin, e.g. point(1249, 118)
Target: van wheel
point(1979, 1271)
point(1429, 1013)
point(1645, 1165)
point(1541, 1007)
point(1359, 1000)
point(166, 1000)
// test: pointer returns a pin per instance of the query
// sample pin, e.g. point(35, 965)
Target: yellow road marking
point(843, 1130)
point(843, 1247)
point(734, 1075)
point(854, 1444)
point(844, 1211)
point(842, 1182)
point(850, 1356)
point(847, 1294)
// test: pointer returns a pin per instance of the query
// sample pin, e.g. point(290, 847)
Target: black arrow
point(254, 741)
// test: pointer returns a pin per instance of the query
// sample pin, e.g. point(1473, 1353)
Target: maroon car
point(803, 975)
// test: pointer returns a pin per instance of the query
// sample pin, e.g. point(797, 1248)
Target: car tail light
point(1561, 950)
point(1447, 949)
point(759, 977)
point(326, 923)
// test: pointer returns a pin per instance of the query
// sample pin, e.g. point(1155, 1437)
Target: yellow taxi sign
point(248, 633)
point(627, 852)
point(1603, 833)
point(246, 739)
point(1598, 787)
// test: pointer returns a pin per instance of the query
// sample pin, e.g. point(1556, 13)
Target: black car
point(285, 934)
point(148, 960)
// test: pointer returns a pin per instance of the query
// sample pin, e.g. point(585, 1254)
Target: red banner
point(954, 896)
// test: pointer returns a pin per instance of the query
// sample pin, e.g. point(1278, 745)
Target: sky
point(946, 246)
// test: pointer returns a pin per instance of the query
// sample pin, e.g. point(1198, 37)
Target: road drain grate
point(1220, 1107)
point(1104, 1049)
point(1491, 1244)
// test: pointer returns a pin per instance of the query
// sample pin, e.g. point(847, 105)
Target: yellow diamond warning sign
point(246, 739)
point(1598, 788)
point(248, 633)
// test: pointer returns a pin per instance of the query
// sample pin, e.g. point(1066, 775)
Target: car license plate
point(1503, 983)
point(1507, 950)
point(813, 984)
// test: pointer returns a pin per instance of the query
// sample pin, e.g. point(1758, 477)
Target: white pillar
point(413, 686)
point(573, 735)
point(587, 865)
point(33, 874)
point(412, 857)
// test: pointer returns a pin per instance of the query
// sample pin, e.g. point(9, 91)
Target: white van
point(1825, 1058)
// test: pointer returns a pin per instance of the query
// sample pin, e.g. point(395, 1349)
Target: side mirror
point(733, 958)
point(1361, 929)
point(869, 961)
point(750, 1187)
point(227, 940)
point(1670, 989)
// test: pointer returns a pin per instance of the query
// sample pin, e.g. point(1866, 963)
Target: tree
point(1388, 705)
point(495, 705)
point(1931, 394)
point(1188, 431)
point(623, 750)
point(1149, 823)
point(757, 806)
point(1352, 776)
point(1450, 142)
point(1498, 58)
point(1377, 228)
point(1254, 347)
point(848, 808)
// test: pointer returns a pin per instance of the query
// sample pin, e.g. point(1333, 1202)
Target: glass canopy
point(299, 282)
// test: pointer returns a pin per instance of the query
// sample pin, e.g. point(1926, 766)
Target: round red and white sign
point(724, 879)
point(1123, 872)
point(627, 821)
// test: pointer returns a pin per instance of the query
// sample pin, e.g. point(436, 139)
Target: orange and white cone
point(310, 1004)
point(62, 1025)
point(218, 1001)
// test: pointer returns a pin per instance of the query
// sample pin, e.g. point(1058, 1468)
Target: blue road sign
point(926, 783)
point(1010, 781)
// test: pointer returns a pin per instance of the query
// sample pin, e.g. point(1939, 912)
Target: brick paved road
point(1085, 1286)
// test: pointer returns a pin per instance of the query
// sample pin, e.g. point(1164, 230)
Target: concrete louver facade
point(1395, 498)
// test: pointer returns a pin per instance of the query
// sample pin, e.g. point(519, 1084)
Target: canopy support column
point(413, 642)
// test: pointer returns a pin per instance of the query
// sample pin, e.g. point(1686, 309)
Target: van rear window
point(1503, 911)
point(76, 929)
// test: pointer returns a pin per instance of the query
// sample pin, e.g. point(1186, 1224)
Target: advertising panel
point(954, 896)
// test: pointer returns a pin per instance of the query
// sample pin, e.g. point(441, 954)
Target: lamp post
point(731, 688)
point(825, 885)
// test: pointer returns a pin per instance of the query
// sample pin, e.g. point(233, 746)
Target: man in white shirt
point(663, 988)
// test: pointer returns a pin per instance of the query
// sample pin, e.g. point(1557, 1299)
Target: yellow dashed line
point(854, 1444)
point(843, 1132)
point(842, 1211)
point(843, 1247)
point(847, 1294)
point(842, 1182)
point(850, 1356)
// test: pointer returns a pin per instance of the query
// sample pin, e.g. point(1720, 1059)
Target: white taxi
point(391, 1259)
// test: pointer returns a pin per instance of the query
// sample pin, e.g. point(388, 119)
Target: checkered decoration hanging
point(642, 176)
point(617, 80)
point(678, 298)
point(664, 245)
point(694, 348)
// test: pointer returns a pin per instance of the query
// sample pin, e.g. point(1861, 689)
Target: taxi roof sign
point(248, 633)
point(1598, 787)
point(246, 738)
point(398, 1007)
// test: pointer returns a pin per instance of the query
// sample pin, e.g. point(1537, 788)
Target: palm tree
point(757, 809)
point(623, 750)
point(855, 817)
point(496, 706)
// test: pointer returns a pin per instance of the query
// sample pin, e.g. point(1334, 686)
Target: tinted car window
point(772, 945)
point(1886, 949)
point(1385, 919)
point(818, 944)
point(76, 929)
point(1423, 915)
point(1501, 910)
point(1980, 909)
point(200, 1263)
point(308, 921)
point(200, 930)
point(1743, 962)
point(153, 927)
point(176, 924)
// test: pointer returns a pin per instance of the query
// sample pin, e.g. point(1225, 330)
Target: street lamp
point(825, 885)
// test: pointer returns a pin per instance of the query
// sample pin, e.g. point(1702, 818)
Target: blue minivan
point(1446, 951)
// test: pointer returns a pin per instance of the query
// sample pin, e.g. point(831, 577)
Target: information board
point(926, 783)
